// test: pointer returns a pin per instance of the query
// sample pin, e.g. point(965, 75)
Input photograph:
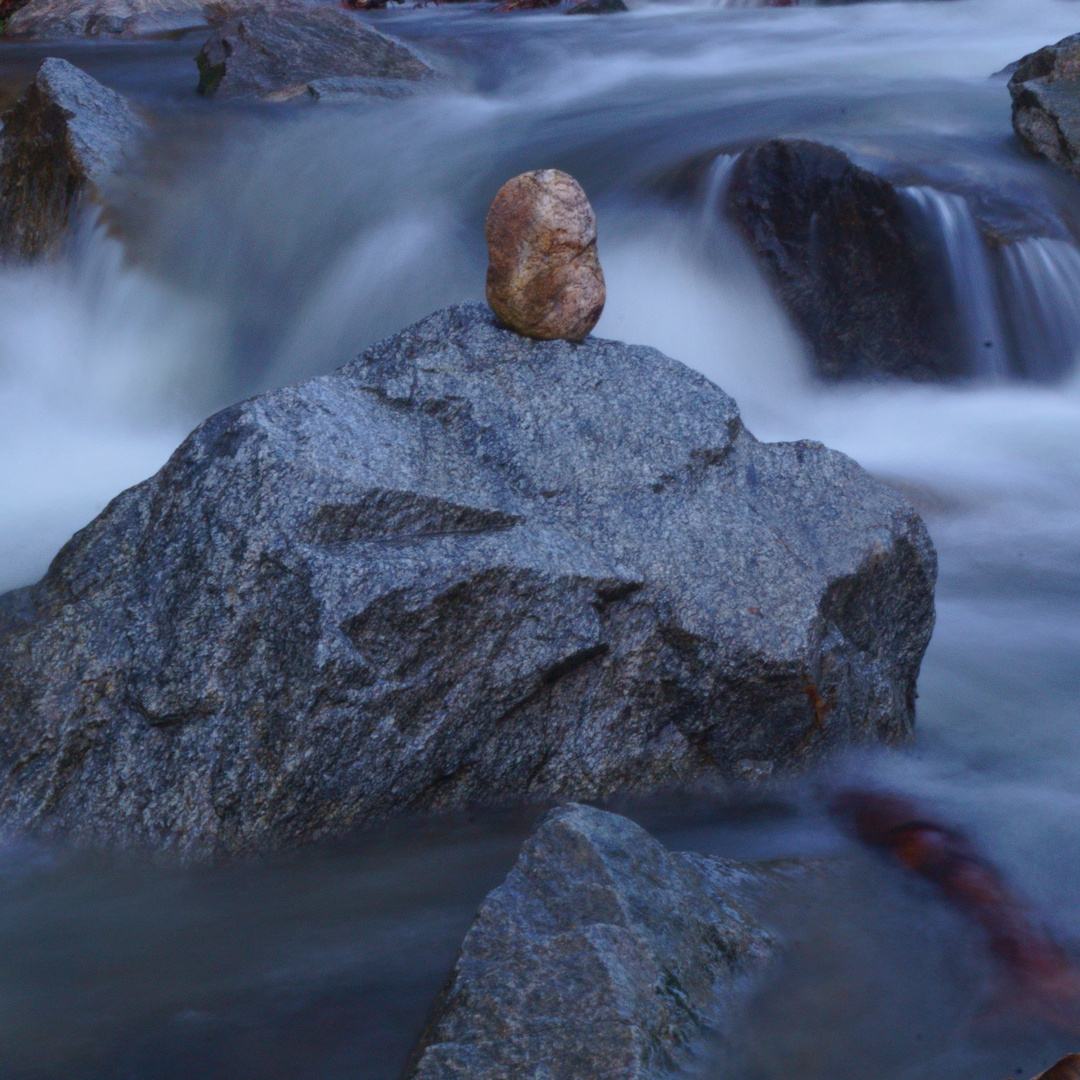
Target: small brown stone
point(544, 279)
point(1068, 1068)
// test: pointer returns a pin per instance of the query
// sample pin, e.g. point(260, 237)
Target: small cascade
point(716, 182)
point(971, 274)
point(1040, 281)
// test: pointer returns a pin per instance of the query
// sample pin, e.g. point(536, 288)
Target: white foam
point(101, 373)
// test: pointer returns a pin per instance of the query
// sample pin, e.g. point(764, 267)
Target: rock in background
point(836, 244)
point(601, 956)
point(278, 51)
point(79, 18)
point(1045, 89)
point(62, 141)
point(468, 568)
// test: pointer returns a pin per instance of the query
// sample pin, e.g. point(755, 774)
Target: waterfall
point(971, 276)
point(1041, 284)
point(716, 183)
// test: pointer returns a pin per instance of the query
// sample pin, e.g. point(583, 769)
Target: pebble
point(544, 279)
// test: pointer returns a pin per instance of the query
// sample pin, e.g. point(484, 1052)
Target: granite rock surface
point(278, 51)
point(467, 568)
point(1045, 90)
point(602, 955)
point(108, 18)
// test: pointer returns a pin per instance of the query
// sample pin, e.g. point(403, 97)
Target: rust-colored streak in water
point(1045, 979)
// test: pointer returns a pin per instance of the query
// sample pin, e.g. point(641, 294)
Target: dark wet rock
point(602, 955)
point(8, 8)
point(597, 7)
point(16, 611)
point(279, 51)
point(1045, 89)
point(65, 138)
point(467, 568)
point(525, 5)
point(127, 18)
point(838, 246)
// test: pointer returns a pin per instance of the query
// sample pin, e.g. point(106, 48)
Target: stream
point(260, 245)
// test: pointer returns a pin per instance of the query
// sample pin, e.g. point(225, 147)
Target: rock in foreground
point(601, 956)
point(836, 243)
point(1045, 89)
point(467, 568)
point(279, 51)
point(544, 277)
point(61, 141)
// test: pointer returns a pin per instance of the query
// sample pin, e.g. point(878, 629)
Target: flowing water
point(259, 245)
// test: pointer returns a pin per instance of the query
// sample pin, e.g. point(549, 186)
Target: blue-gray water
point(261, 245)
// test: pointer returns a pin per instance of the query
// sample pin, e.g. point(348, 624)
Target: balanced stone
point(1068, 1068)
point(544, 279)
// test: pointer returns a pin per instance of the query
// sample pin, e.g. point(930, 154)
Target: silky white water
point(258, 247)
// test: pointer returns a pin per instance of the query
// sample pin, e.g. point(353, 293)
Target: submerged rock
point(602, 955)
point(1045, 89)
point(582, 7)
point(836, 243)
point(278, 52)
point(544, 278)
point(64, 138)
point(597, 7)
point(525, 5)
point(349, 89)
point(467, 568)
point(129, 18)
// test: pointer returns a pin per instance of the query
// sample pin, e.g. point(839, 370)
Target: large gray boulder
point(62, 141)
point(1045, 89)
point(127, 18)
point(467, 568)
point(280, 50)
point(602, 955)
point(838, 246)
